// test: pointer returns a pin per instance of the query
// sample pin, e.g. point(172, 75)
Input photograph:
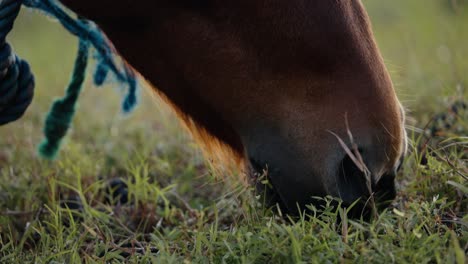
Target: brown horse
point(274, 84)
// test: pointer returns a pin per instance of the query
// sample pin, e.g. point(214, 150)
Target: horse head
point(295, 88)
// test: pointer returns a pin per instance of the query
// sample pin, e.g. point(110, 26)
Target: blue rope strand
point(61, 114)
point(100, 75)
point(17, 81)
point(87, 30)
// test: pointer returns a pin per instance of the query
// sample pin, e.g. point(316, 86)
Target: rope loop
point(16, 78)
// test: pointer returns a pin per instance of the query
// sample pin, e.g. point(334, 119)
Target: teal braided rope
point(61, 114)
point(87, 30)
point(59, 119)
point(17, 81)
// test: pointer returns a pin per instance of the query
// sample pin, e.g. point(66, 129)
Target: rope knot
point(16, 79)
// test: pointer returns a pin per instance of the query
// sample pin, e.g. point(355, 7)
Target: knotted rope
point(16, 79)
point(61, 114)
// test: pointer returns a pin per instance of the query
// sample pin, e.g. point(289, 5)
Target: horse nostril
point(353, 185)
point(352, 182)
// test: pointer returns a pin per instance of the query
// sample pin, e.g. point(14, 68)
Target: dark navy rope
point(16, 79)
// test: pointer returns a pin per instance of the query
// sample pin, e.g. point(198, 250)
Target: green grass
point(181, 213)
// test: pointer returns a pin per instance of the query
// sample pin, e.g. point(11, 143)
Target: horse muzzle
point(361, 179)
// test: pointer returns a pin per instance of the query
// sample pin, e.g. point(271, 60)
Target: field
point(179, 211)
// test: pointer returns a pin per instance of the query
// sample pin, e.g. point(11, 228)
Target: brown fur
point(221, 155)
point(265, 81)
